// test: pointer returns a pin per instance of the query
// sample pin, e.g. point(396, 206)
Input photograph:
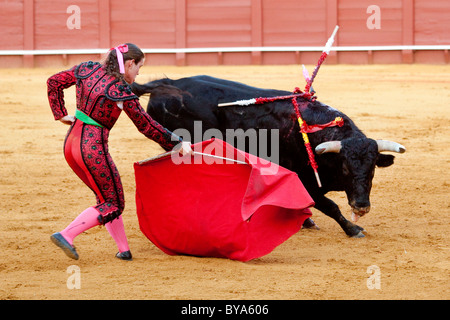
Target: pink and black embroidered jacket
point(97, 96)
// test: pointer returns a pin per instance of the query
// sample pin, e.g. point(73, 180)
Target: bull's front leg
point(331, 209)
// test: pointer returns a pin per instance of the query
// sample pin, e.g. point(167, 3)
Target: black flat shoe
point(126, 255)
point(68, 249)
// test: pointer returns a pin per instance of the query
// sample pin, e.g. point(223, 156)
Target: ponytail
point(128, 51)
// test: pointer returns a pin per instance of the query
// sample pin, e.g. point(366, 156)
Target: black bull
point(346, 158)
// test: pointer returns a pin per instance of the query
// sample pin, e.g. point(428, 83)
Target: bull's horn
point(385, 145)
point(329, 146)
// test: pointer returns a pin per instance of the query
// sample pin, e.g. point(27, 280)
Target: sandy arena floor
point(407, 228)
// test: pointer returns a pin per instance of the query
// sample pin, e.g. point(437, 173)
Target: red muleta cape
point(217, 208)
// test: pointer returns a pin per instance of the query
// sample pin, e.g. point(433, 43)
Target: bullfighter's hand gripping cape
point(230, 210)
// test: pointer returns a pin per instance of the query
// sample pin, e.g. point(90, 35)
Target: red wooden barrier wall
point(42, 25)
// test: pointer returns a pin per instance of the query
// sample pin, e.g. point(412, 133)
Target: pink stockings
point(117, 232)
point(89, 219)
point(86, 151)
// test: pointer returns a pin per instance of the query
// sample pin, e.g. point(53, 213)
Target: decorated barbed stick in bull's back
point(309, 90)
point(307, 94)
point(322, 58)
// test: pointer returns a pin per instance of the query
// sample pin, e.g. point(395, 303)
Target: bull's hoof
point(355, 231)
point(359, 235)
point(310, 224)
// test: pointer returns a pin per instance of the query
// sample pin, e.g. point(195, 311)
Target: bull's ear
point(385, 160)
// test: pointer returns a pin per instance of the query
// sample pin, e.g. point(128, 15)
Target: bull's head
point(359, 158)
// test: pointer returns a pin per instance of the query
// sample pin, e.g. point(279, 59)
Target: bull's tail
point(155, 88)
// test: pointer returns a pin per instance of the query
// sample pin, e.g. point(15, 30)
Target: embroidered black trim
point(86, 69)
point(119, 91)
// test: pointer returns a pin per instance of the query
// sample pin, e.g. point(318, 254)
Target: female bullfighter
point(102, 93)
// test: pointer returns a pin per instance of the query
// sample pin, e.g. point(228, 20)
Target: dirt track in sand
point(407, 228)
